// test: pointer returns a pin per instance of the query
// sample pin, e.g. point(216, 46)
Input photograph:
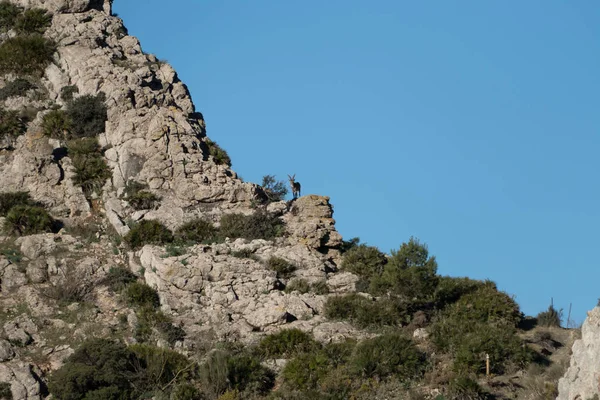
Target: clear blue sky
point(472, 125)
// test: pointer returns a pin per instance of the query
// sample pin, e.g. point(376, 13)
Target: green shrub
point(11, 124)
point(386, 355)
point(364, 312)
point(282, 267)
point(138, 197)
point(91, 171)
point(246, 373)
point(245, 253)
point(18, 87)
point(409, 274)
point(148, 232)
point(26, 55)
point(298, 285)
point(260, 225)
point(33, 20)
point(117, 278)
point(57, 124)
point(14, 256)
point(28, 220)
point(274, 190)
point(550, 317)
point(195, 231)
point(67, 92)
point(5, 391)
point(365, 261)
point(305, 371)
point(488, 305)
point(186, 391)
point(464, 387)
point(9, 200)
point(286, 344)
point(450, 289)
point(72, 287)
point(161, 367)
point(97, 368)
point(219, 155)
point(89, 114)
point(139, 294)
point(8, 15)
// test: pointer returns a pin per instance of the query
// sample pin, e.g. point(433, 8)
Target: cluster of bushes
point(28, 53)
point(12, 125)
point(91, 171)
point(84, 117)
point(337, 370)
point(260, 225)
point(302, 286)
point(219, 156)
point(138, 197)
point(144, 299)
point(273, 189)
point(104, 369)
point(17, 87)
point(23, 216)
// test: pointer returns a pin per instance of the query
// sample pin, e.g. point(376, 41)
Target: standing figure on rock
point(295, 186)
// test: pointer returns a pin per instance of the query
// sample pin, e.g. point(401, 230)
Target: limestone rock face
point(582, 379)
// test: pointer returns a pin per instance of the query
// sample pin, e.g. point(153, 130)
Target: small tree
point(274, 189)
point(89, 114)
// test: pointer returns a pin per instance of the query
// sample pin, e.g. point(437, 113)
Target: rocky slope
point(582, 380)
point(58, 289)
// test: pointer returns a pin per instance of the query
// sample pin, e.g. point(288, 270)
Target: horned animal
point(295, 186)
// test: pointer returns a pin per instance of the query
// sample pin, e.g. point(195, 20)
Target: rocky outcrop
point(582, 379)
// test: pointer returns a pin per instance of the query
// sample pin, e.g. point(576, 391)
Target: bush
point(274, 190)
point(89, 114)
point(56, 124)
point(67, 92)
point(117, 278)
point(487, 305)
point(161, 367)
point(148, 232)
point(219, 155)
point(11, 124)
point(91, 171)
point(410, 273)
point(98, 368)
point(5, 391)
point(18, 87)
point(282, 267)
point(449, 290)
point(550, 317)
point(365, 261)
point(9, 200)
point(298, 285)
point(139, 294)
point(260, 225)
point(464, 387)
point(28, 220)
point(386, 355)
point(33, 20)
point(8, 15)
point(26, 55)
point(286, 344)
point(305, 371)
point(72, 287)
point(364, 312)
point(195, 231)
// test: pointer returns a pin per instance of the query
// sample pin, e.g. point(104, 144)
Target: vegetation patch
point(88, 114)
point(72, 287)
point(26, 55)
point(282, 267)
point(274, 190)
point(12, 125)
point(219, 156)
point(67, 92)
point(33, 20)
point(16, 88)
point(196, 231)
point(139, 294)
point(286, 344)
point(57, 124)
point(8, 15)
point(260, 225)
point(148, 232)
point(118, 278)
point(9, 200)
point(550, 317)
point(365, 312)
point(364, 261)
point(139, 198)
point(28, 220)
point(91, 171)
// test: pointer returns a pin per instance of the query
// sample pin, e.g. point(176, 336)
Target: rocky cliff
point(582, 379)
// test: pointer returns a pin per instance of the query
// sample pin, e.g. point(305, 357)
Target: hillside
point(135, 263)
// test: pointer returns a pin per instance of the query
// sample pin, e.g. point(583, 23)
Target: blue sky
point(472, 125)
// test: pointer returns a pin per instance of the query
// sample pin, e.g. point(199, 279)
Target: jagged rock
point(342, 282)
point(19, 330)
point(35, 245)
point(6, 351)
point(23, 378)
point(37, 271)
point(581, 379)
